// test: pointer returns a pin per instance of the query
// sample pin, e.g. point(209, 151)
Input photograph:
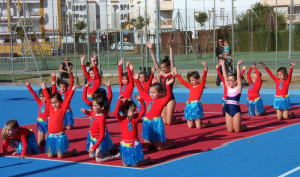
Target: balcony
point(166, 24)
point(296, 18)
point(165, 6)
point(280, 3)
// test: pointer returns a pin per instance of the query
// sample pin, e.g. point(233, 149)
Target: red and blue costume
point(255, 103)
point(126, 89)
point(57, 140)
point(42, 119)
point(130, 148)
point(26, 139)
point(282, 99)
point(193, 108)
point(153, 126)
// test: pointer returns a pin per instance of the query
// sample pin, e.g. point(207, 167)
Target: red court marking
point(188, 141)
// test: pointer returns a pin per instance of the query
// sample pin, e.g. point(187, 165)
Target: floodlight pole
point(146, 35)
point(232, 32)
point(291, 29)
point(157, 30)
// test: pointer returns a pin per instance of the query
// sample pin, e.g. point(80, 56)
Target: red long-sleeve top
point(224, 84)
point(90, 103)
point(127, 92)
point(157, 105)
point(126, 134)
point(285, 83)
point(56, 118)
point(253, 90)
point(146, 85)
point(95, 83)
point(195, 91)
point(97, 129)
point(67, 92)
point(21, 134)
point(45, 114)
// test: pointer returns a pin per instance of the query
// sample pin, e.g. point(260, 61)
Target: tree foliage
point(19, 31)
point(260, 15)
point(201, 18)
point(139, 22)
point(80, 25)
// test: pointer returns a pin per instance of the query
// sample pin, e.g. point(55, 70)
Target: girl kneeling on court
point(233, 111)
point(57, 142)
point(153, 125)
point(100, 141)
point(255, 103)
point(12, 134)
point(282, 102)
point(130, 148)
point(193, 109)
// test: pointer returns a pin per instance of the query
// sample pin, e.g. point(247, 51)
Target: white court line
point(290, 172)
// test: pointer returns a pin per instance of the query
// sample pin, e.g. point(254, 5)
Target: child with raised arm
point(57, 142)
point(244, 67)
point(233, 113)
point(65, 90)
point(153, 125)
point(193, 109)
point(255, 103)
point(125, 80)
point(100, 142)
point(42, 119)
point(166, 73)
point(131, 150)
point(282, 102)
point(92, 76)
point(12, 133)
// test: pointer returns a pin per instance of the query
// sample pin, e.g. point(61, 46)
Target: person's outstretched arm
point(149, 44)
point(238, 75)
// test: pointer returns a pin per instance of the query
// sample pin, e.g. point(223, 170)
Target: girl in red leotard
point(166, 73)
point(282, 102)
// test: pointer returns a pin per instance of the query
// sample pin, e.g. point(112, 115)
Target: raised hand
point(82, 59)
point(240, 61)
point(120, 62)
point(28, 82)
point(87, 84)
point(128, 63)
point(152, 69)
point(121, 97)
point(135, 76)
point(149, 44)
point(137, 97)
point(54, 73)
point(107, 83)
point(217, 66)
point(292, 63)
point(131, 66)
point(170, 81)
point(82, 110)
point(253, 65)
point(175, 70)
point(76, 86)
point(244, 67)
point(43, 85)
point(262, 64)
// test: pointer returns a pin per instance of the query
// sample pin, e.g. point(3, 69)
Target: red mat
point(188, 141)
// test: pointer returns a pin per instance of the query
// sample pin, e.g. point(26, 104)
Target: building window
point(211, 14)
point(121, 16)
point(222, 13)
point(121, 7)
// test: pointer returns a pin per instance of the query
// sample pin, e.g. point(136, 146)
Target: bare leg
point(190, 124)
point(164, 115)
point(74, 152)
point(41, 138)
point(279, 113)
point(164, 146)
point(91, 155)
point(237, 119)
point(200, 124)
point(229, 123)
point(169, 116)
point(69, 127)
point(106, 157)
point(148, 145)
point(145, 162)
point(285, 114)
point(50, 155)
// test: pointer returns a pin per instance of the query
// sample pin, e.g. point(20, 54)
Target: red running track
point(188, 141)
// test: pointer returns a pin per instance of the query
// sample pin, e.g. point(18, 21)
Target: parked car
point(126, 46)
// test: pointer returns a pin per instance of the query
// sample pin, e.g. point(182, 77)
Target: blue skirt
point(42, 125)
point(282, 103)
point(32, 146)
point(88, 141)
point(153, 130)
point(131, 153)
point(255, 106)
point(86, 106)
point(57, 142)
point(224, 106)
point(193, 110)
point(106, 144)
point(69, 119)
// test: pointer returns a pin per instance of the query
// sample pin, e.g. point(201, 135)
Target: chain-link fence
point(256, 30)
